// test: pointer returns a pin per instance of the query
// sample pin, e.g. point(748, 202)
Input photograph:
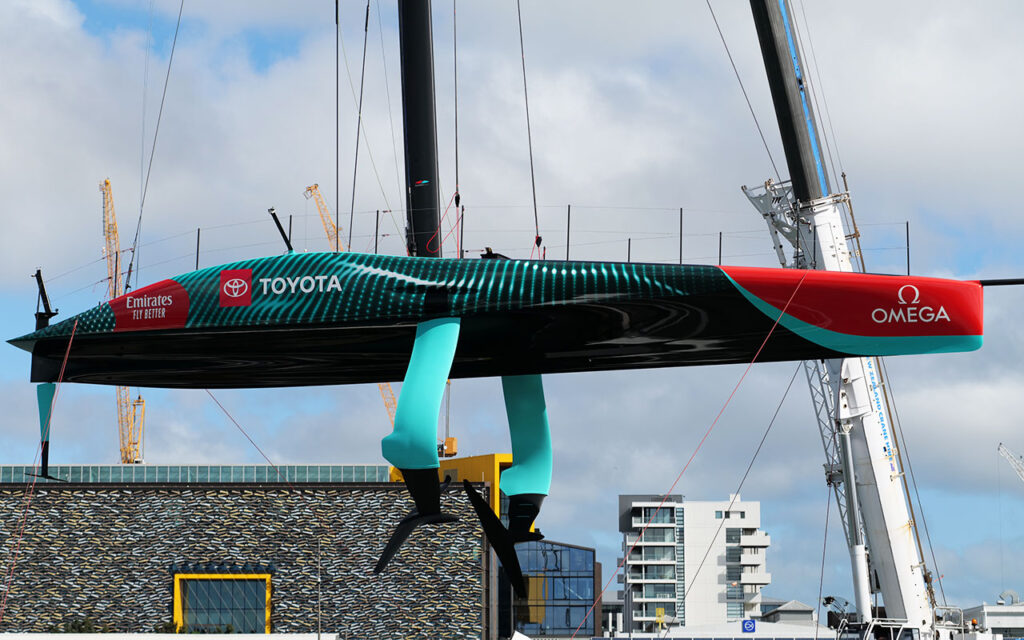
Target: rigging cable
point(455, 70)
point(359, 123)
point(824, 547)
point(810, 83)
point(369, 148)
point(696, 450)
point(30, 490)
point(529, 136)
point(337, 118)
point(824, 97)
point(901, 451)
point(387, 92)
point(735, 494)
point(145, 92)
point(744, 90)
point(152, 151)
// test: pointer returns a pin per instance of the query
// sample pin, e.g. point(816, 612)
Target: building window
point(734, 610)
point(732, 536)
point(718, 515)
point(743, 514)
point(732, 554)
point(222, 602)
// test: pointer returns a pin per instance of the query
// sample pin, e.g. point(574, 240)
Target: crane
point(851, 401)
point(449, 447)
point(1016, 461)
point(131, 414)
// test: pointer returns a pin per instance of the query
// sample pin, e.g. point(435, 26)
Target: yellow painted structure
point(485, 468)
point(179, 605)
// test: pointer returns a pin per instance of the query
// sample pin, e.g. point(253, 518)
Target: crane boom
point(1016, 461)
point(313, 191)
point(130, 413)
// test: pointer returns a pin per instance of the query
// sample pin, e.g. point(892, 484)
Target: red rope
point(692, 456)
point(437, 231)
point(31, 488)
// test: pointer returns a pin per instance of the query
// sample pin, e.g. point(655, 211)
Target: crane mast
point(1016, 461)
point(863, 463)
point(131, 414)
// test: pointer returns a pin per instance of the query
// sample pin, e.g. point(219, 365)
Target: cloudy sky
point(635, 113)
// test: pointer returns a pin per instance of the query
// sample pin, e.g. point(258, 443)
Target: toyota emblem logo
point(902, 294)
point(236, 288)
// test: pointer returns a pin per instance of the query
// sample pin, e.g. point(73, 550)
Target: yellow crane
point(131, 414)
point(450, 446)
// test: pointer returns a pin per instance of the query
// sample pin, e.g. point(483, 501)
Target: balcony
point(640, 523)
point(751, 559)
point(759, 578)
point(759, 539)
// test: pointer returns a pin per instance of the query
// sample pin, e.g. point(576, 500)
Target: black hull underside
point(540, 339)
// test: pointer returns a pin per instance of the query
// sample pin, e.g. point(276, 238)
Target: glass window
point(224, 605)
point(743, 514)
point(732, 536)
point(174, 474)
point(718, 515)
point(359, 474)
point(346, 473)
point(732, 554)
point(300, 475)
point(161, 474)
point(659, 591)
point(6, 474)
point(104, 474)
point(734, 610)
point(76, 474)
point(225, 474)
point(150, 474)
point(203, 474)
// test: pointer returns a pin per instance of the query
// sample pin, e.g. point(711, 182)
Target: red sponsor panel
point(869, 305)
point(236, 288)
point(163, 305)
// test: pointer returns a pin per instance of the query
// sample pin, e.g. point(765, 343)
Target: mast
point(849, 395)
point(793, 109)
point(421, 199)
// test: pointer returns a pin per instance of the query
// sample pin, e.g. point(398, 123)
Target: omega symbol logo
point(902, 295)
point(236, 288)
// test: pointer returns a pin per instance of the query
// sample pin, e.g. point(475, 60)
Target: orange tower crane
point(450, 445)
point(131, 414)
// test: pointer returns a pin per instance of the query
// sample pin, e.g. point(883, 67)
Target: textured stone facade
point(106, 551)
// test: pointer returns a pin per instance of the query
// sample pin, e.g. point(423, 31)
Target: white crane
point(1016, 461)
point(852, 405)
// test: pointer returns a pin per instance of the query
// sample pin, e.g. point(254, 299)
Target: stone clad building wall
point(107, 551)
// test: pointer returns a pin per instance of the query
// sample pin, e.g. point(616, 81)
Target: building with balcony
point(690, 562)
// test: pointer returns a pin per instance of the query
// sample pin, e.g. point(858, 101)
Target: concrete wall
point(105, 551)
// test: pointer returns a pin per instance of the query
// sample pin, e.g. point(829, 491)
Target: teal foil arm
point(531, 436)
point(413, 443)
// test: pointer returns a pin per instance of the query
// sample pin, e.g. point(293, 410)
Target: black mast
point(791, 95)
point(421, 200)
